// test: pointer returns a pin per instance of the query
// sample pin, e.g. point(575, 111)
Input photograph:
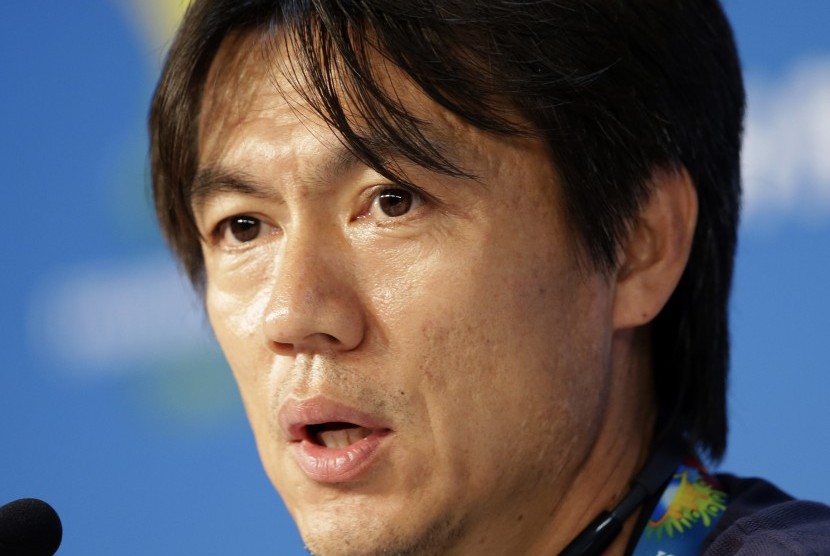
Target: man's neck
point(623, 445)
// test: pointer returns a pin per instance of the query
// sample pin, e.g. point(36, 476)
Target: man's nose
point(314, 304)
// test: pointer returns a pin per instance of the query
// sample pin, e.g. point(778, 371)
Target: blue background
point(115, 404)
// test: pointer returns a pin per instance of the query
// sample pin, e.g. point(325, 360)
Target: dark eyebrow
point(213, 180)
point(210, 181)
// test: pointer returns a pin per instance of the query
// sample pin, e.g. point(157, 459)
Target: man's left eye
point(396, 201)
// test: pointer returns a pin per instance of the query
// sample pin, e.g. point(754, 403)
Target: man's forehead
point(258, 71)
point(255, 75)
point(246, 90)
point(241, 81)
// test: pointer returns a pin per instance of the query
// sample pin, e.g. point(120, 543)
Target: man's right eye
point(237, 230)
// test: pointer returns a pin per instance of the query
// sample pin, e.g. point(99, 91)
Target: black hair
point(617, 89)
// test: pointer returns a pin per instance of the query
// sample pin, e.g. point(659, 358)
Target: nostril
point(310, 344)
point(328, 338)
point(282, 348)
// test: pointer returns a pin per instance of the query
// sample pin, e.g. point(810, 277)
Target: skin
point(516, 383)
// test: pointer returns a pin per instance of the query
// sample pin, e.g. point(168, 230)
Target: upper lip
point(295, 416)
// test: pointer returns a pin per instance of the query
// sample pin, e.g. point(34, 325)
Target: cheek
point(237, 294)
point(236, 321)
point(508, 352)
point(236, 318)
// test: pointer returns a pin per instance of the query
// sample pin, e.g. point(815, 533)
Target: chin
point(352, 528)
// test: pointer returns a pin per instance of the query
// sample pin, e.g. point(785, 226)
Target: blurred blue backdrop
point(116, 406)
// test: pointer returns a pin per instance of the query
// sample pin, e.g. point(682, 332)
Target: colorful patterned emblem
point(690, 506)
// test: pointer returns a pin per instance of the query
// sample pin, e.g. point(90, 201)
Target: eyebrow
point(213, 180)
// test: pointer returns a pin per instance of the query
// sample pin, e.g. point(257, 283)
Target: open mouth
point(336, 434)
point(333, 443)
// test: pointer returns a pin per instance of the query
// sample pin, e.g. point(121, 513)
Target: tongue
point(342, 437)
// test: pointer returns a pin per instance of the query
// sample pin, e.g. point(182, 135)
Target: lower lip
point(338, 465)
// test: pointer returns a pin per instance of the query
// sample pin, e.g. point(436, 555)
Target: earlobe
point(656, 249)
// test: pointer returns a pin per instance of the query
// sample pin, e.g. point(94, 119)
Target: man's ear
point(656, 249)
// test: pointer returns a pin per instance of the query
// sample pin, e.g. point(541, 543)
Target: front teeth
point(343, 438)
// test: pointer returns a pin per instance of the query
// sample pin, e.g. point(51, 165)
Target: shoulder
point(763, 520)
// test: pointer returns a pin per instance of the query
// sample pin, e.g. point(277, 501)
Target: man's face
point(423, 370)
